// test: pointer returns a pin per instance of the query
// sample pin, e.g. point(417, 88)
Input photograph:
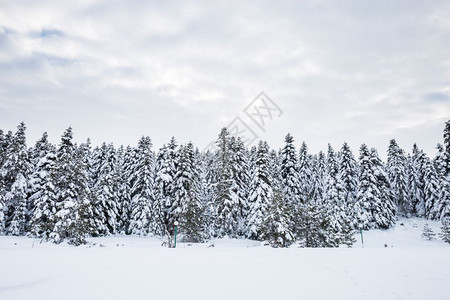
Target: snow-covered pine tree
point(385, 215)
point(71, 187)
point(427, 232)
point(276, 225)
point(444, 176)
point(431, 190)
point(208, 183)
point(240, 181)
point(16, 171)
point(338, 227)
point(44, 197)
point(416, 182)
point(122, 171)
point(319, 178)
point(374, 207)
point(445, 231)
point(447, 147)
point(188, 195)
point(310, 230)
point(398, 176)
point(260, 193)
point(348, 175)
point(289, 173)
point(105, 191)
point(288, 202)
point(305, 173)
point(167, 207)
point(141, 192)
point(225, 223)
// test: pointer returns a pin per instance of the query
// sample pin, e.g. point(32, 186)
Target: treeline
point(70, 191)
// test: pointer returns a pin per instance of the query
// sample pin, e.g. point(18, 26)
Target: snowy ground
point(139, 268)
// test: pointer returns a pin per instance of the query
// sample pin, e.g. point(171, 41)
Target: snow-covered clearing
point(139, 268)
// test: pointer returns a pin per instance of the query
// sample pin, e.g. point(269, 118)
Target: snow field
point(125, 267)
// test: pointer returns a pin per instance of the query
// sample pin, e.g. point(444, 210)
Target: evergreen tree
point(105, 191)
point(276, 224)
point(445, 231)
point(319, 178)
point(71, 187)
point(168, 207)
point(416, 182)
point(289, 172)
point(141, 192)
point(338, 224)
point(15, 173)
point(374, 207)
point(44, 197)
point(240, 181)
point(188, 195)
point(122, 172)
point(431, 190)
point(225, 219)
point(305, 174)
point(397, 172)
point(427, 232)
point(348, 175)
point(261, 192)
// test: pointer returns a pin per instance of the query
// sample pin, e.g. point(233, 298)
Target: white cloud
point(115, 70)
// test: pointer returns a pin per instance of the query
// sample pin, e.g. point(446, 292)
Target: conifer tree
point(261, 192)
point(374, 207)
point(427, 232)
point(141, 192)
point(106, 191)
point(71, 187)
point(188, 195)
point(168, 207)
point(44, 197)
point(416, 182)
point(305, 174)
point(16, 171)
point(276, 225)
point(431, 190)
point(289, 173)
point(338, 224)
point(445, 231)
point(122, 171)
point(319, 178)
point(222, 183)
point(240, 181)
point(397, 172)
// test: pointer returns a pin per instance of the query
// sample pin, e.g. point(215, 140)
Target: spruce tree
point(188, 195)
point(289, 173)
point(44, 197)
point(445, 231)
point(305, 174)
point(167, 206)
point(71, 187)
point(374, 207)
point(222, 183)
point(416, 182)
point(261, 192)
point(427, 232)
point(105, 191)
point(333, 209)
point(397, 172)
point(141, 192)
point(16, 171)
point(431, 190)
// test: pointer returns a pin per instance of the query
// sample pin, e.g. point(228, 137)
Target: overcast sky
point(355, 71)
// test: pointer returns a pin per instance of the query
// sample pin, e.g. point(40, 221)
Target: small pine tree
point(427, 232)
point(445, 231)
